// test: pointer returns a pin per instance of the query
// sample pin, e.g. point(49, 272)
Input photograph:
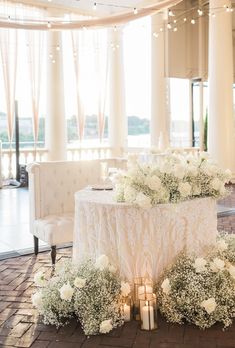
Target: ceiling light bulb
point(155, 34)
point(170, 13)
point(161, 29)
point(175, 29)
point(185, 19)
point(48, 25)
point(135, 10)
point(193, 21)
point(57, 47)
point(174, 20)
point(169, 26)
point(94, 6)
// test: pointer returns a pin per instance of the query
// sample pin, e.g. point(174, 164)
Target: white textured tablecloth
point(140, 242)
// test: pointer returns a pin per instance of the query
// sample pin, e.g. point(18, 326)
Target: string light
point(115, 28)
point(135, 11)
point(49, 25)
point(170, 13)
point(57, 48)
point(193, 21)
point(94, 6)
point(175, 29)
point(174, 21)
point(185, 19)
point(155, 34)
point(53, 61)
point(161, 29)
point(200, 12)
point(169, 25)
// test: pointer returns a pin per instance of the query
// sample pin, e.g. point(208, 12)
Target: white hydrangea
point(222, 245)
point(143, 201)
point(102, 262)
point(66, 292)
point(39, 278)
point(129, 194)
point(184, 189)
point(209, 305)
point(125, 289)
point(153, 182)
point(37, 299)
point(217, 265)
point(166, 287)
point(200, 265)
point(79, 282)
point(106, 326)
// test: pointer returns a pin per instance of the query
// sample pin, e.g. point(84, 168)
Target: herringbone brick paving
point(20, 325)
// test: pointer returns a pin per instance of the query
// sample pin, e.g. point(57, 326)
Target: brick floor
point(21, 327)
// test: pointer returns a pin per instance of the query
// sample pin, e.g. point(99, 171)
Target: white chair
point(51, 192)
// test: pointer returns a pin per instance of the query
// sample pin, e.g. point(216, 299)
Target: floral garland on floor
point(91, 291)
point(197, 290)
point(176, 179)
point(201, 290)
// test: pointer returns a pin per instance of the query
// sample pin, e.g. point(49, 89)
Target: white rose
point(222, 245)
point(228, 175)
point(125, 288)
point(129, 194)
point(200, 264)
point(204, 155)
point(184, 189)
point(192, 170)
point(209, 305)
point(143, 201)
point(106, 326)
point(217, 265)
point(231, 270)
point(39, 279)
point(102, 262)
point(79, 282)
point(166, 287)
point(179, 171)
point(166, 168)
point(216, 184)
point(66, 292)
point(37, 299)
point(112, 269)
point(196, 191)
point(153, 182)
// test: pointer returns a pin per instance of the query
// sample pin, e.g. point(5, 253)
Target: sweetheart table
point(140, 242)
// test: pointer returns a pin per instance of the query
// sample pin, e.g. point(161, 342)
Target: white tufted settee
point(51, 192)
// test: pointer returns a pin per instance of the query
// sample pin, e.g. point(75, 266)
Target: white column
point(117, 115)
point(159, 85)
point(56, 130)
point(220, 117)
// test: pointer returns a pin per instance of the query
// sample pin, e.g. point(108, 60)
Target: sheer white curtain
point(8, 50)
point(80, 113)
point(35, 44)
point(87, 80)
point(101, 67)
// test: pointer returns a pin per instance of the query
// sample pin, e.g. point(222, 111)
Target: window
point(180, 135)
point(137, 41)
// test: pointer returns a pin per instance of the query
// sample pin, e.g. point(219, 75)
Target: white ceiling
point(104, 7)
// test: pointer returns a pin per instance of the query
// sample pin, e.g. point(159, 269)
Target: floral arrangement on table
point(177, 178)
point(201, 290)
point(91, 291)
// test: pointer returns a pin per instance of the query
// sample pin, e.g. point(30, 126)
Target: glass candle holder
point(143, 289)
point(148, 314)
point(127, 308)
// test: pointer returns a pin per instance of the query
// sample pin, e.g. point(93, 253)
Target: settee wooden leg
point(53, 254)
point(35, 239)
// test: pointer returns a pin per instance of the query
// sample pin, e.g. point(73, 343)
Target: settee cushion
point(55, 229)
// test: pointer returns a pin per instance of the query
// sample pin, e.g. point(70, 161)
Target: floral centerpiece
point(177, 178)
point(201, 290)
point(91, 292)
